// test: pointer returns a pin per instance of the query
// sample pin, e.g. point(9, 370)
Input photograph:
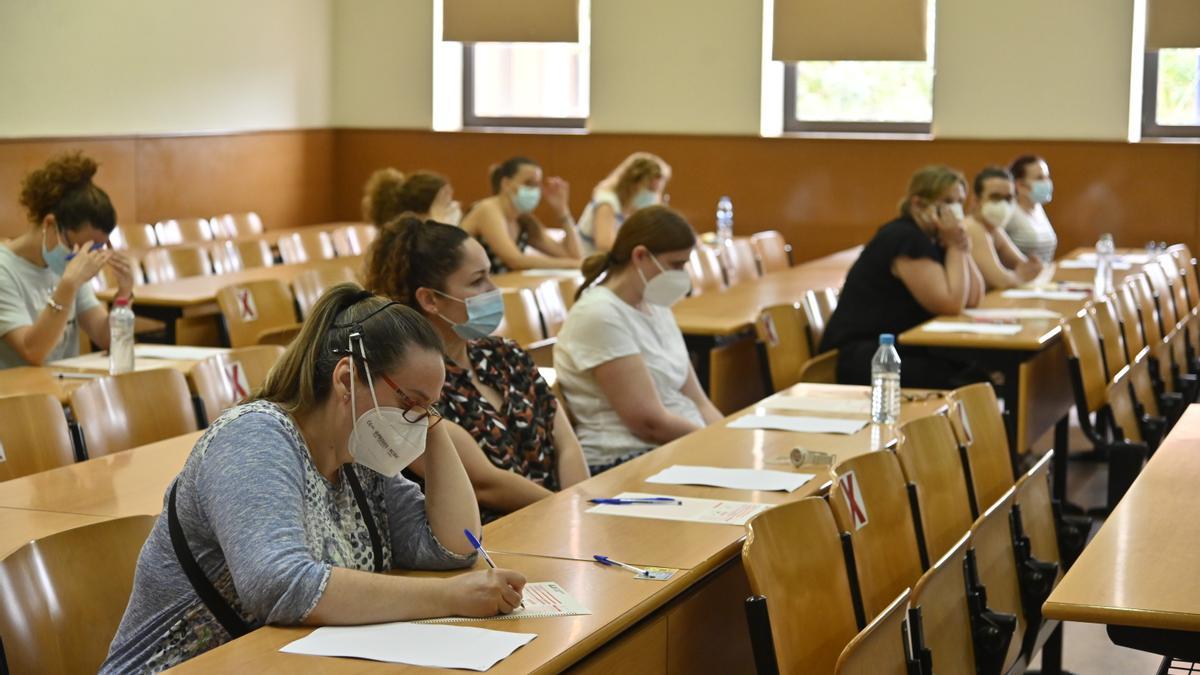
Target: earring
point(346, 397)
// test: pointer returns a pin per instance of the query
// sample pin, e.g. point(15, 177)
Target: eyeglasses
point(414, 412)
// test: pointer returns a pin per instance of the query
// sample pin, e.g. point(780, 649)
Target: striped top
point(1032, 233)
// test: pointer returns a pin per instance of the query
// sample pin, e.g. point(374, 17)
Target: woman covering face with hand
point(290, 504)
point(638, 182)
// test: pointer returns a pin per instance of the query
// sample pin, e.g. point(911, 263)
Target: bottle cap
point(121, 302)
point(887, 339)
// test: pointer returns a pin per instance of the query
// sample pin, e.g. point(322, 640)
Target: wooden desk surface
point(35, 380)
point(126, 483)
point(1035, 333)
point(559, 526)
point(531, 281)
point(615, 597)
point(1140, 569)
point(20, 526)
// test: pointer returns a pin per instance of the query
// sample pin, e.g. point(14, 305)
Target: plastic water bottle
point(120, 331)
point(1105, 249)
point(885, 381)
point(724, 219)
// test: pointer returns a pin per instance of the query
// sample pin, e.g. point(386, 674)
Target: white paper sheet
point(1135, 258)
point(98, 361)
point(1031, 294)
point(736, 479)
point(551, 272)
point(176, 352)
point(1080, 264)
point(414, 644)
point(1016, 313)
point(691, 509)
point(849, 406)
point(539, 600)
point(809, 425)
point(969, 327)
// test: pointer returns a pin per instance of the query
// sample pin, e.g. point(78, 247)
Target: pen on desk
point(479, 547)
point(77, 376)
point(636, 500)
point(605, 560)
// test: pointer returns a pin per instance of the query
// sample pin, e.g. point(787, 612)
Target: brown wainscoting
point(823, 194)
point(286, 176)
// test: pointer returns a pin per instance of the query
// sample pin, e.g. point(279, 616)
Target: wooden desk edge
point(1121, 616)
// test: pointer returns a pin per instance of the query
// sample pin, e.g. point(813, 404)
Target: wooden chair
point(352, 240)
point(551, 306)
point(312, 284)
point(182, 230)
point(133, 235)
point(253, 308)
point(176, 262)
point(1040, 536)
point(783, 332)
point(1168, 347)
point(818, 307)
point(738, 261)
point(225, 380)
point(995, 560)
point(940, 596)
point(983, 434)
point(301, 247)
point(870, 500)
point(1131, 322)
point(704, 267)
point(522, 321)
point(225, 257)
point(63, 596)
point(34, 436)
point(882, 647)
point(255, 253)
point(822, 368)
point(125, 411)
point(108, 279)
point(569, 286)
point(774, 253)
point(929, 455)
point(1104, 313)
point(735, 380)
point(810, 598)
point(1088, 376)
point(237, 225)
point(281, 336)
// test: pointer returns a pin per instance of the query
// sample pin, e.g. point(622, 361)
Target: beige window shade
point(1172, 24)
point(849, 30)
point(510, 20)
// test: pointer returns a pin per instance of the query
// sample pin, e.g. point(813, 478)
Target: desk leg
point(701, 346)
point(1051, 654)
point(167, 315)
point(1062, 436)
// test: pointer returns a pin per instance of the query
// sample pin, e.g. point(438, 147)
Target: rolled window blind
point(1172, 24)
point(849, 30)
point(510, 20)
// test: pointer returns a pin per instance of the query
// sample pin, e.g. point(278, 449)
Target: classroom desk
point(271, 236)
point(1139, 574)
point(34, 380)
point(21, 526)
point(531, 279)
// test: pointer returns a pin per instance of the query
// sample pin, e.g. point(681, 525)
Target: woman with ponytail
point(621, 360)
point(515, 442)
point(45, 297)
point(389, 193)
point(292, 504)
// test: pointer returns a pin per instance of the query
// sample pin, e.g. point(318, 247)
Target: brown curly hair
point(389, 193)
point(63, 188)
point(638, 170)
point(410, 253)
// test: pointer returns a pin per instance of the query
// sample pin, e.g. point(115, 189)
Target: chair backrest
point(1123, 406)
point(1180, 301)
point(1147, 307)
point(941, 596)
point(818, 307)
point(1142, 382)
point(811, 621)
point(928, 453)
point(522, 321)
point(869, 499)
point(1131, 322)
point(995, 559)
point(783, 331)
point(1104, 313)
point(125, 411)
point(738, 260)
point(63, 596)
point(774, 254)
point(552, 306)
point(252, 308)
point(34, 436)
point(255, 253)
point(310, 285)
point(133, 235)
point(821, 368)
point(1032, 496)
point(175, 262)
point(704, 267)
point(224, 380)
point(983, 433)
point(182, 230)
point(1163, 298)
point(1083, 349)
point(225, 257)
point(301, 247)
point(569, 286)
point(280, 335)
point(240, 224)
point(1187, 267)
point(881, 648)
point(351, 240)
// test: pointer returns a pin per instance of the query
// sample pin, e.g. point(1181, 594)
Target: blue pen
point(479, 547)
point(605, 560)
point(95, 247)
point(636, 500)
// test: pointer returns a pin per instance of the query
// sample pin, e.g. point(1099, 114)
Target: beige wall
point(83, 67)
point(383, 63)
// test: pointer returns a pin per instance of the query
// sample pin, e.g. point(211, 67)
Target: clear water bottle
point(1105, 249)
point(724, 219)
point(120, 345)
point(885, 381)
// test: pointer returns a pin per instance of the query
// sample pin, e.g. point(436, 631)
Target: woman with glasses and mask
point(620, 357)
point(45, 294)
point(506, 227)
point(515, 441)
point(1029, 227)
point(291, 504)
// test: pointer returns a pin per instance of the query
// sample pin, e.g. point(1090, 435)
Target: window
point(525, 84)
point(1171, 98)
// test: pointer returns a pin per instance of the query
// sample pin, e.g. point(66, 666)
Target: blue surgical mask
point(56, 258)
point(484, 314)
point(644, 198)
point(1041, 191)
point(527, 198)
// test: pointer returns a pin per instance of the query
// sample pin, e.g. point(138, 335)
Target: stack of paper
point(809, 425)
point(1014, 313)
point(414, 644)
point(968, 327)
point(1090, 264)
point(689, 509)
point(176, 352)
point(737, 479)
point(849, 406)
point(1033, 294)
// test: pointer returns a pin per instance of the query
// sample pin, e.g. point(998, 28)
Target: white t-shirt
point(587, 221)
point(602, 327)
point(24, 288)
point(1032, 233)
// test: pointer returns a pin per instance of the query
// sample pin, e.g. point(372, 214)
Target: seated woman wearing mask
point(515, 442)
point(1029, 228)
point(638, 182)
point(504, 223)
point(620, 356)
point(1001, 264)
point(915, 267)
point(388, 193)
point(291, 504)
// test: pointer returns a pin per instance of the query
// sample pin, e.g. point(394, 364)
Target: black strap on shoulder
point(365, 509)
point(212, 599)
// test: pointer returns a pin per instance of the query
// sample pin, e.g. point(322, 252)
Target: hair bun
point(44, 188)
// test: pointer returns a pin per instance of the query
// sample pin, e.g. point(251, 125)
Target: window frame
point(794, 125)
point(1150, 126)
point(472, 121)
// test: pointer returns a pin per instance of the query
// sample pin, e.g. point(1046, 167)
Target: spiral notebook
point(540, 600)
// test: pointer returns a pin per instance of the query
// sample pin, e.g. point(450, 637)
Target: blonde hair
point(638, 170)
point(612, 181)
point(929, 183)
